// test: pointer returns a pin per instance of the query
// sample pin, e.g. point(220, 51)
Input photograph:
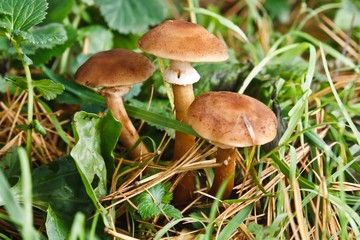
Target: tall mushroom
point(229, 120)
point(116, 71)
point(183, 42)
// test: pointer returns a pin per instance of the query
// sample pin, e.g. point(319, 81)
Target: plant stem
point(30, 88)
point(192, 13)
point(30, 108)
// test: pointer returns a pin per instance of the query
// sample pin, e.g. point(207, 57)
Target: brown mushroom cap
point(232, 119)
point(115, 67)
point(183, 41)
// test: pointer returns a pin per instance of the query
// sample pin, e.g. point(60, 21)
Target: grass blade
point(338, 100)
point(234, 223)
point(224, 21)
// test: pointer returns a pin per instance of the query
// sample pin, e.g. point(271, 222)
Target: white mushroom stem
point(182, 75)
point(226, 171)
point(129, 136)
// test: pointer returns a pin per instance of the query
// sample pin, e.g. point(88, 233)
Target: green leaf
point(132, 16)
point(41, 56)
point(55, 226)
point(48, 88)
point(47, 36)
point(58, 184)
point(87, 153)
point(8, 199)
point(171, 212)
point(151, 204)
point(18, 81)
point(23, 13)
point(10, 166)
point(58, 10)
point(344, 15)
point(99, 38)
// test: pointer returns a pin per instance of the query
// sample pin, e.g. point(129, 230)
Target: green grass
point(81, 183)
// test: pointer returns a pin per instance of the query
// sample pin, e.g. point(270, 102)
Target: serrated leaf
point(48, 88)
point(149, 203)
point(48, 36)
point(171, 212)
point(132, 16)
point(152, 203)
point(23, 13)
point(42, 56)
point(18, 81)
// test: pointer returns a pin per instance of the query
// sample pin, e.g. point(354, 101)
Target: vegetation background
point(63, 175)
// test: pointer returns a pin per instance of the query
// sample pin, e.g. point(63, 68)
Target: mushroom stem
point(183, 96)
point(225, 157)
point(129, 136)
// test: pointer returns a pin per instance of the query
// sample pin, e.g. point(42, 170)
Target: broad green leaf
point(110, 131)
point(23, 13)
point(48, 88)
point(58, 10)
point(10, 166)
point(56, 229)
point(8, 199)
point(58, 184)
point(279, 9)
point(99, 38)
point(89, 151)
point(132, 16)
point(47, 36)
point(18, 81)
point(41, 56)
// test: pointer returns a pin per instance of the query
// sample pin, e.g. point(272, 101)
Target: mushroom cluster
point(228, 120)
point(183, 42)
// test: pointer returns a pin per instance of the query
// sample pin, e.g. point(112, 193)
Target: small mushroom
point(229, 120)
point(183, 42)
point(116, 71)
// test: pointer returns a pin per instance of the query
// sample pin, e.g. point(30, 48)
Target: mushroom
point(116, 71)
point(229, 120)
point(183, 42)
